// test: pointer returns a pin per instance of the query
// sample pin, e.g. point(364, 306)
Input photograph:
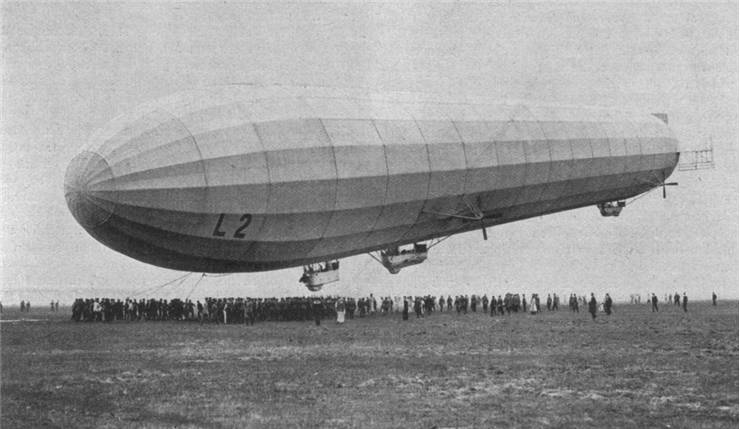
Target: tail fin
point(662, 116)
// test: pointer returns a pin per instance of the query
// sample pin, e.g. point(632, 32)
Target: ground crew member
point(317, 311)
point(654, 300)
point(608, 305)
point(339, 306)
point(417, 307)
point(685, 302)
point(592, 307)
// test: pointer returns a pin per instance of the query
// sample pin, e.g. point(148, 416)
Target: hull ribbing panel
point(258, 179)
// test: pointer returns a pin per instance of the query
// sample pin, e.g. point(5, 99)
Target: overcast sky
point(67, 69)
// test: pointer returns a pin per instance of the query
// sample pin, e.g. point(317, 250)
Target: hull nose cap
point(89, 209)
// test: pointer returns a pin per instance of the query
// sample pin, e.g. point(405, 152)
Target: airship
point(244, 178)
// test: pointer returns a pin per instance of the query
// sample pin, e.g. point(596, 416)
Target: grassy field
point(633, 369)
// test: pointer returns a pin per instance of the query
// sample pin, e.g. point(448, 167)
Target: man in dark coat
point(685, 302)
point(592, 307)
point(317, 307)
point(249, 312)
point(405, 308)
point(654, 300)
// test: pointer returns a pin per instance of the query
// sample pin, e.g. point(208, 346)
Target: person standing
point(608, 305)
point(206, 311)
point(349, 306)
point(97, 310)
point(405, 308)
point(592, 306)
point(374, 305)
point(340, 310)
point(249, 312)
point(714, 299)
point(654, 300)
point(533, 304)
point(316, 309)
point(685, 302)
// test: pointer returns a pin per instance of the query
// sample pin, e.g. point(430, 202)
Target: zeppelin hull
point(219, 181)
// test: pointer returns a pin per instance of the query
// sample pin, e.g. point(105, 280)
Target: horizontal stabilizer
point(696, 160)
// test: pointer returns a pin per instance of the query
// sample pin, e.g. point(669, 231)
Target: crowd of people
point(251, 310)
point(318, 308)
point(668, 298)
point(677, 300)
point(224, 310)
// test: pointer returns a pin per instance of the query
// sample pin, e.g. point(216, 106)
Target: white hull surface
point(251, 178)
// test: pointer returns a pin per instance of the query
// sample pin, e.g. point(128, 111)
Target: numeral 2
point(247, 219)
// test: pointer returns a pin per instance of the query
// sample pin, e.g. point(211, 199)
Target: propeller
point(668, 184)
point(478, 215)
point(664, 184)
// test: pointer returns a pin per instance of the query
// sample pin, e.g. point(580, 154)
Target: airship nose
point(89, 203)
